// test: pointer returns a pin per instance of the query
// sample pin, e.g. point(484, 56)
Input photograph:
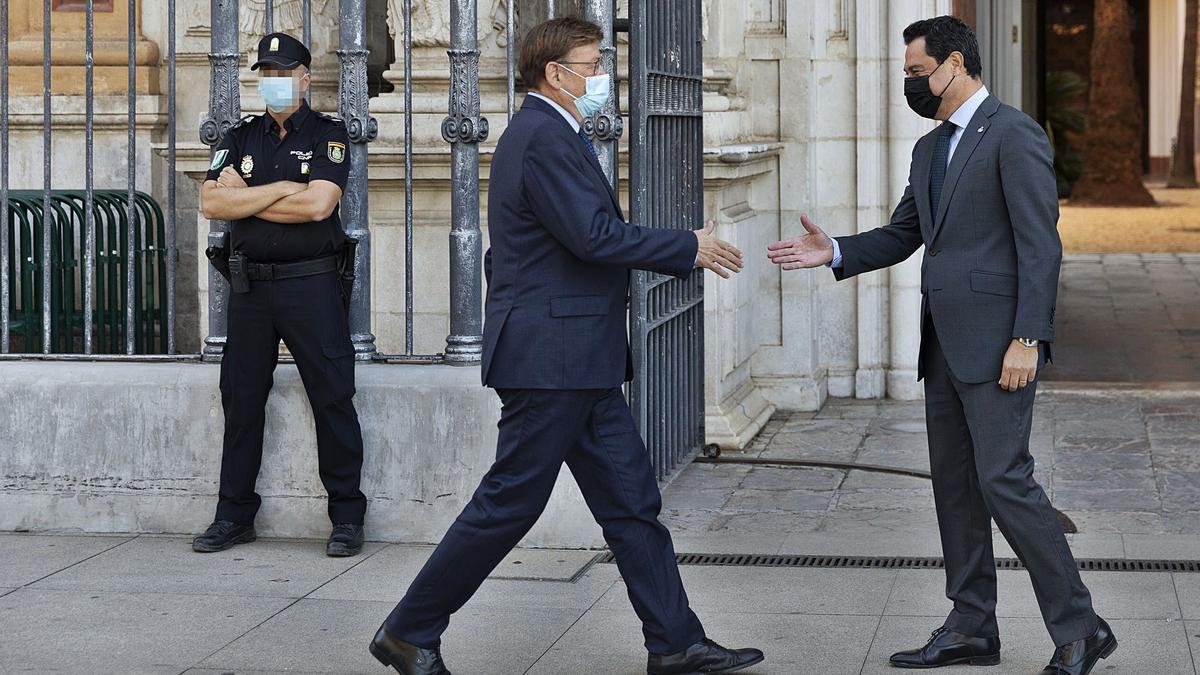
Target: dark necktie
point(937, 172)
point(588, 142)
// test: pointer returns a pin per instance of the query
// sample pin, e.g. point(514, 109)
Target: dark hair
point(945, 35)
point(550, 41)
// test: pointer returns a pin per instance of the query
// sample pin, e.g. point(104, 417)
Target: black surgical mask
point(921, 98)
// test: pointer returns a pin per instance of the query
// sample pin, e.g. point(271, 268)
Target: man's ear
point(958, 62)
point(551, 75)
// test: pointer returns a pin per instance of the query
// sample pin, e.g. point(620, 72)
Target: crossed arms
point(287, 202)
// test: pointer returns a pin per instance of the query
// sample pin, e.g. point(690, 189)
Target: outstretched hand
point(812, 249)
point(714, 254)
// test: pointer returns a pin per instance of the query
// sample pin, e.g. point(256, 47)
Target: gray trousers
point(982, 470)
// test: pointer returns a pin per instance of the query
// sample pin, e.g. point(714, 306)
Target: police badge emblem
point(304, 168)
point(247, 166)
point(336, 152)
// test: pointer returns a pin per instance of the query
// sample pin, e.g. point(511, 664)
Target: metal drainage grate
point(900, 562)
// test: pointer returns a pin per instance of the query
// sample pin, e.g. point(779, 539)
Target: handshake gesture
point(811, 249)
point(714, 254)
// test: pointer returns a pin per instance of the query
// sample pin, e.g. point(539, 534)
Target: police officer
point(277, 178)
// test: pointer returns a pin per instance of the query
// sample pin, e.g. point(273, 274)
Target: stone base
point(136, 447)
point(735, 421)
point(794, 393)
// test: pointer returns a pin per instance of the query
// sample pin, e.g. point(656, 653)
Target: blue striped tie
point(588, 142)
point(937, 172)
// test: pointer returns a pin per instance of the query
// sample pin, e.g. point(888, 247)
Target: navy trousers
point(308, 315)
point(594, 433)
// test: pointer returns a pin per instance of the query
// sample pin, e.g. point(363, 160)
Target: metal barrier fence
point(110, 316)
point(55, 330)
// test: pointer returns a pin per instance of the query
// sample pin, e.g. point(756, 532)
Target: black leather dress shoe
point(223, 534)
point(947, 647)
point(344, 541)
point(1078, 657)
point(705, 656)
point(406, 658)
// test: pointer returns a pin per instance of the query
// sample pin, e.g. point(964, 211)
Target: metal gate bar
point(45, 178)
point(667, 315)
point(4, 252)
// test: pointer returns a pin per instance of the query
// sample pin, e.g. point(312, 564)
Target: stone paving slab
point(1128, 318)
point(332, 636)
point(768, 590)
point(285, 569)
point(609, 641)
point(1187, 586)
point(29, 557)
point(101, 632)
point(385, 577)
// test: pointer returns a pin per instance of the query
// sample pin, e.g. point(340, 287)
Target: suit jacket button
point(933, 253)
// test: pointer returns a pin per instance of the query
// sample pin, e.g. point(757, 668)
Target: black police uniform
point(306, 312)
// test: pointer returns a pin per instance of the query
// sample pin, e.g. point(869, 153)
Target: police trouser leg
point(313, 323)
point(251, 352)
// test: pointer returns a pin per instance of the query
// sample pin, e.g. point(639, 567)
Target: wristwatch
point(1029, 342)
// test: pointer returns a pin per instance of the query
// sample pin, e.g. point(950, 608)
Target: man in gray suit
point(981, 198)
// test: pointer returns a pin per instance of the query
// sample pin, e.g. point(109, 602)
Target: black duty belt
point(277, 271)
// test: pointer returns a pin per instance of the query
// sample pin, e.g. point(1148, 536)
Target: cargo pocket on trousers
point(339, 373)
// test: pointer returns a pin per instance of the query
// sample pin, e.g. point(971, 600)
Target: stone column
point(875, 193)
point(68, 25)
point(904, 129)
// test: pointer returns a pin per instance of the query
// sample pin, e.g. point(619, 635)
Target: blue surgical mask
point(279, 93)
point(595, 94)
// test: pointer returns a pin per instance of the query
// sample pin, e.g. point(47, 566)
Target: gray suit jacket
point(992, 252)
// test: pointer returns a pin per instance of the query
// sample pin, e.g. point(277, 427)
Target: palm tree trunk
point(1183, 165)
point(1112, 144)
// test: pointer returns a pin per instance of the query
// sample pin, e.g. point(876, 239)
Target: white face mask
point(595, 93)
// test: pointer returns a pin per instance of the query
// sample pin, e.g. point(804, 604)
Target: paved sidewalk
point(1128, 317)
point(1123, 466)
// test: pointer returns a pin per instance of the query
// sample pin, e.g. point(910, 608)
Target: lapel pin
point(981, 130)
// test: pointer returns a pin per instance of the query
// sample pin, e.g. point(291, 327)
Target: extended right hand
point(812, 249)
point(719, 256)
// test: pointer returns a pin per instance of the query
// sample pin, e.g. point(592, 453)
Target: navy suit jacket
point(558, 266)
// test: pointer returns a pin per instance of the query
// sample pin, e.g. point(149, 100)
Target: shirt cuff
point(837, 256)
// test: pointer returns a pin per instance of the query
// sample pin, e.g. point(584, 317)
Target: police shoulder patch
point(219, 159)
point(336, 152)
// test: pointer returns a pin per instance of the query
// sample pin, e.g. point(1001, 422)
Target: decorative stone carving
point(289, 17)
point(431, 22)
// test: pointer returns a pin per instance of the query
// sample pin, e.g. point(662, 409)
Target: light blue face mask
point(279, 93)
point(595, 93)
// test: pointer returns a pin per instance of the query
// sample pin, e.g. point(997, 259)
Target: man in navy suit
point(556, 351)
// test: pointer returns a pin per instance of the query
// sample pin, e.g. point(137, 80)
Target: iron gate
point(666, 188)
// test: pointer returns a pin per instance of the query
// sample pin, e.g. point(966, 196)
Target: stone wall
point(119, 447)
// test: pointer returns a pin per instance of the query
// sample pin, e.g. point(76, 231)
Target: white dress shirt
point(961, 119)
